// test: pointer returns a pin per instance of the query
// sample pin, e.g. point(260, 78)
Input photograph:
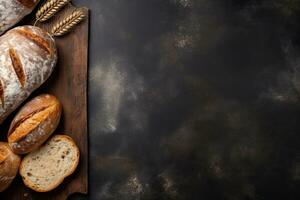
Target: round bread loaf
point(27, 58)
point(34, 124)
point(12, 11)
point(9, 166)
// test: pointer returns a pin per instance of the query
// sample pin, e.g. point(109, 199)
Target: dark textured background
point(194, 99)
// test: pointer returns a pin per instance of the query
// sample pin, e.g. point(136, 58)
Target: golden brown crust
point(29, 3)
point(37, 39)
point(17, 65)
point(9, 167)
point(12, 136)
point(37, 104)
point(3, 156)
point(34, 123)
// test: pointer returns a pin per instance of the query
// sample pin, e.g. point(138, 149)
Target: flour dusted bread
point(12, 11)
point(27, 58)
point(34, 123)
point(44, 169)
point(9, 165)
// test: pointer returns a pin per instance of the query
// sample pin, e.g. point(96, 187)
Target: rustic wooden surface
point(69, 84)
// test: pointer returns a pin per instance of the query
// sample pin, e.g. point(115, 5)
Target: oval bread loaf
point(34, 124)
point(12, 11)
point(9, 166)
point(27, 58)
point(46, 168)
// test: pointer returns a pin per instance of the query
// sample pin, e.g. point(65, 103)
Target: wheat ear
point(68, 23)
point(49, 9)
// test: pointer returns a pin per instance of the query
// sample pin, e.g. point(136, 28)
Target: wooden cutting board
point(69, 83)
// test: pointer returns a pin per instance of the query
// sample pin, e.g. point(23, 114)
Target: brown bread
point(34, 124)
point(29, 3)
point(12, 11)
point(9, 165)
point(28, 56)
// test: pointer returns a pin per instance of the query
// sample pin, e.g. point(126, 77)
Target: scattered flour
point(184, 3)
point(110, 81)
point(133, 186)
point(118, 87)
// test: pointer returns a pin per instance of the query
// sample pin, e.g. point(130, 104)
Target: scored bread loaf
point(9, 165)
point(27, 58)
point(46, 168)
point(34, 123)
point(12, 11)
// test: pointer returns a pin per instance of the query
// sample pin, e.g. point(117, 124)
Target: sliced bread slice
point(45, 169)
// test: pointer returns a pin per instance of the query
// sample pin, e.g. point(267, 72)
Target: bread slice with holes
point(46, 168)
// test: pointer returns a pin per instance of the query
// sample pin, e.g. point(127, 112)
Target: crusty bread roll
point(45, 169)
point(12, 11)
point(34, 124)
point(9, 165)
point(27, 58)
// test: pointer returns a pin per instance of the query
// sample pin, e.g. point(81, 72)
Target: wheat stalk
point(49, 9)
point(68, 23)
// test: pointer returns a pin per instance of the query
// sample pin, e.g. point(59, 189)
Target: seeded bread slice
point(45, 169)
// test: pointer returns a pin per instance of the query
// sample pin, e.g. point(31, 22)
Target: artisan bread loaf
point(34, 124)
point(9, 165)
point(27, 58)
point(12, 11)
point(44, 169)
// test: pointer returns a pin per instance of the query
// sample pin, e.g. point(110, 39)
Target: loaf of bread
point(27, 58)
point(34, 124)
point(9, 166)
point(45, 169)
point(12, 11)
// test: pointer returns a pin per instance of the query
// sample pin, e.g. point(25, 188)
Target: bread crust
point(38, 39)
point(12, 11)
point(29, 3)
point(56, 184)
point(8, 167)
point(37, 57)
point(34, 123)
